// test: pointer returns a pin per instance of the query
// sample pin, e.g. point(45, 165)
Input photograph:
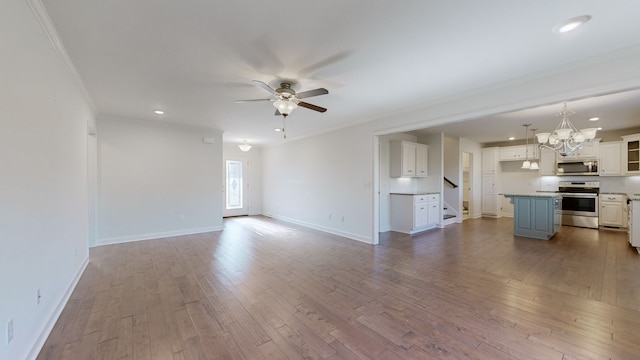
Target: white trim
point(151, 236)
point(40, 12)
point(375, 191)
point(53, 318)
point(348, 235)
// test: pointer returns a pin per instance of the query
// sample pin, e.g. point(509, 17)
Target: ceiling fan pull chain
point(284, 127)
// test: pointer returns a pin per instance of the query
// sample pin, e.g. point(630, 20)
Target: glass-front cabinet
point(631, 153)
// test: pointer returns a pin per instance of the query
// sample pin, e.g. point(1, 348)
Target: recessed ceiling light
point(595, 118)
point(158, 112)
point(278, 129)
point(572, 24)
point(599, 128)
point(512, 138)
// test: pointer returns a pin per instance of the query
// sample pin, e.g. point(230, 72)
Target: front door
point(234, 187)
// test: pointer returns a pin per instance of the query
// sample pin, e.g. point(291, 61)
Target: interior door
point(235, 187)
point(467, 186)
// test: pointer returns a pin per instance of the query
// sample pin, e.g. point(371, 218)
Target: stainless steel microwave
point(577, 167)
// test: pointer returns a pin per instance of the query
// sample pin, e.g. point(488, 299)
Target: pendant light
point(245, 146)
point(534, 163)
point(526, 164)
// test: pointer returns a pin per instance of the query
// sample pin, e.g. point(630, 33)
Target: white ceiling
point(615, 112)
point(193, 58)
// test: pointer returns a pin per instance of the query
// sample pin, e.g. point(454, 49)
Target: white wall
point(324, 182)
point(156, 180)
point(43, 156)
point(253, 174)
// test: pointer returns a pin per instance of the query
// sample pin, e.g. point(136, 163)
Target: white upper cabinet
point(547, 162)
point(588, 151)
point(422, 160)
point(611, 158)
point(518, 152)
point(490, 160)
point(631, 154)
point(408, 159)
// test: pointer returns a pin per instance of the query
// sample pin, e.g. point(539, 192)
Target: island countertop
point(536, 194)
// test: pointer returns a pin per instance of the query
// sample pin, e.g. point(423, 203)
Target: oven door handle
point(589, 195)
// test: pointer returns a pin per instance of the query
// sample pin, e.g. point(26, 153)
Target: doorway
point(235, 186)
point(467, 186)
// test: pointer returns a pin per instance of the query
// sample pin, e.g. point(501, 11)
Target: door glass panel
point(579, 204)
point(234, 184)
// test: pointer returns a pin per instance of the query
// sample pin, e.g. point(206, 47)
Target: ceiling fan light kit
point(285, 107)
point(285, 99)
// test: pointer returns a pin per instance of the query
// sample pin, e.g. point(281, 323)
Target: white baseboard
point(139, 237)
point(57, 310)
point(351, 236)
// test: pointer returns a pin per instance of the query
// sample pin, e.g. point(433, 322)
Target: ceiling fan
point(285, 99)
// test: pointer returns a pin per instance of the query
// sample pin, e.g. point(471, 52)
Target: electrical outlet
point(9, 331)
point(329, 216)
point(342, 219)
point(181, 217)
point(38, 297)
point(75, 251)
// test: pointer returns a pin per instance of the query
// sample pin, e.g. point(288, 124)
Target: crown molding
point(40, 13)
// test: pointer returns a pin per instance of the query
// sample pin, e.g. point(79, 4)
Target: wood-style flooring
point(264, 289)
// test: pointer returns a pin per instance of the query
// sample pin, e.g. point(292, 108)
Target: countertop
point(634, 197)
point(412, 194)
point(534, 194)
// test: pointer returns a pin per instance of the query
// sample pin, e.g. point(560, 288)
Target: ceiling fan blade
point(310, 93)
point(264, 86)
point(311, 106)
point(277, 113)
point(251, 100)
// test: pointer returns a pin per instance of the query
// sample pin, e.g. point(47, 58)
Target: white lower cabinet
point(613, 210)
point(413, 213)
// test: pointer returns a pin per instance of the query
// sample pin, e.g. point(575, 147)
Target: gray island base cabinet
point(536, 215)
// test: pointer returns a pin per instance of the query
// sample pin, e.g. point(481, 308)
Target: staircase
point(449, 216)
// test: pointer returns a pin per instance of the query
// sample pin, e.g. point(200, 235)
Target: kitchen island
point(536, 215)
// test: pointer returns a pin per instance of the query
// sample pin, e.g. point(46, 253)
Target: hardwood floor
point(264, 289)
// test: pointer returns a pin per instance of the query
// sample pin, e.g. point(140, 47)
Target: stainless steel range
point(580, 203)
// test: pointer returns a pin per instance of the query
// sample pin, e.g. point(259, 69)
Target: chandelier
point(566, 139)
